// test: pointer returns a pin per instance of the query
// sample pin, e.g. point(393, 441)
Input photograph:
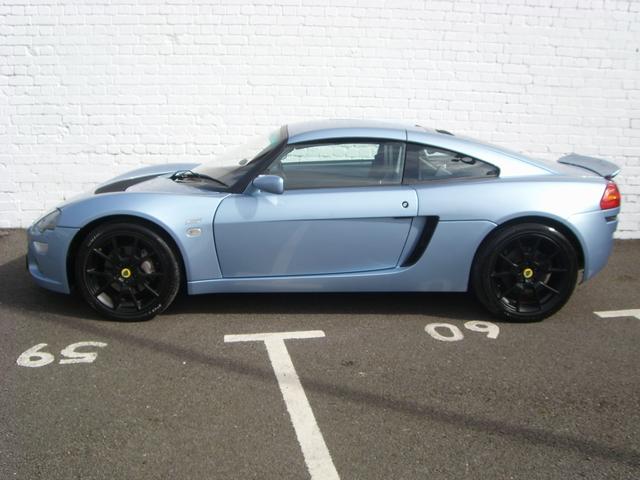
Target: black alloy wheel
point(127, 271)
point(525, 272)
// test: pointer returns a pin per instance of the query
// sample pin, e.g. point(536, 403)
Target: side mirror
point(269, 183)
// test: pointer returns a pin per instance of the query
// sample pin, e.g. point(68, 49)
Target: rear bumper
point(595, 232)
point(47, 257)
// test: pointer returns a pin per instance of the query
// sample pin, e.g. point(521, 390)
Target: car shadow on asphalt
point(18, 291)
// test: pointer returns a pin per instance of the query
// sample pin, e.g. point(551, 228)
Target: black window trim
point(410, 176)
point(338, 140)
point(260, 164)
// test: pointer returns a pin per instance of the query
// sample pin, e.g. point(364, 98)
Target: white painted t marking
point(315, 451)
point(619, 313)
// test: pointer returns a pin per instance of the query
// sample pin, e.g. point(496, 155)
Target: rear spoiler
point(604, 168)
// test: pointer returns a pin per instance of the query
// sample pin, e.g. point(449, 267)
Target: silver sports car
point(337, 206)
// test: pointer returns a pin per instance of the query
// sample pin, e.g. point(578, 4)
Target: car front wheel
point(525, 272)
point(127, 271)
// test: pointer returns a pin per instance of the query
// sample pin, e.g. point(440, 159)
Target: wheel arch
point(551, 222)
point(84, 231)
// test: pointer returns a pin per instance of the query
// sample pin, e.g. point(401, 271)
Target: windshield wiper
point(186, 174)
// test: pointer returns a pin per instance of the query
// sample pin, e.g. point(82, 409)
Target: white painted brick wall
point(91, 88)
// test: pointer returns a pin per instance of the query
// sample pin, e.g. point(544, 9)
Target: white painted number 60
point(455, 334)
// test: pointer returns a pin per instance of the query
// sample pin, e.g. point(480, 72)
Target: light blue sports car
point(337, 206)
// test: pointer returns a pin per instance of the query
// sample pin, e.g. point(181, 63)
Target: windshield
point(234, 162)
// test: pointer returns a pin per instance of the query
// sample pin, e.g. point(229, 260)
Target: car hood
point(164, 184)
point(128, 179)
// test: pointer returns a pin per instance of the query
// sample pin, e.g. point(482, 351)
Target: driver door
point(344, 210)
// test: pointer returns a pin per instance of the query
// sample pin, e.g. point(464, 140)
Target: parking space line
point(312, 444)
point(619, 313)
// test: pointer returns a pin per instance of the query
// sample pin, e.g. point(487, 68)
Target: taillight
point(610, 197)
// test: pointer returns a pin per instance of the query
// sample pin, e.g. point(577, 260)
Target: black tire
point(126, 271)
point(525, 272)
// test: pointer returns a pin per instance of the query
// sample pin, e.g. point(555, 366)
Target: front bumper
point(47, 257)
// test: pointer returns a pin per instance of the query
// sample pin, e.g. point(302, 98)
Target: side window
point(348, 164)
point(426, 163)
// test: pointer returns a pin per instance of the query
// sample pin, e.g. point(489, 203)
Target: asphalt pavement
point(378, 397)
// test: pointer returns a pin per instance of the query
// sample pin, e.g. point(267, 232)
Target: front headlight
point(48, 222)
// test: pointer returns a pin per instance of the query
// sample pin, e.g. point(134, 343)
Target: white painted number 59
point(35, 357)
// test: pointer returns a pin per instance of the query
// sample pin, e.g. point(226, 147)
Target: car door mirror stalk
point(269, 183)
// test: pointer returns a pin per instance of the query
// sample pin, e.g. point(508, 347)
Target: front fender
point(175, 214)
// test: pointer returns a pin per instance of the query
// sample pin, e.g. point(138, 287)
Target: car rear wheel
point(525, 272)
point(127, 271)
